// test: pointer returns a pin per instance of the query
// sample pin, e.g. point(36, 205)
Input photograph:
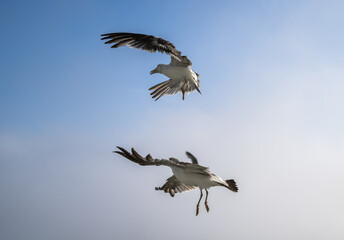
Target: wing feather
point(171, 86)
point(184, 61)
point(148, 43)
point(192, 157)
point(148, 160)
point(173, 185)
point(143, 161)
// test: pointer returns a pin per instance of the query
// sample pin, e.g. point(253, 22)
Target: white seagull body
point(182, 78)
point(186, 176)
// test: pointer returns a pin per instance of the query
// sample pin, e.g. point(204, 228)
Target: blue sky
point(270, 116)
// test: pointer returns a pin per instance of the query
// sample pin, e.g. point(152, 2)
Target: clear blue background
point(270, 116)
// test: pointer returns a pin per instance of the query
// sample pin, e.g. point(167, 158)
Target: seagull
point(186, 176)
point(182, 78)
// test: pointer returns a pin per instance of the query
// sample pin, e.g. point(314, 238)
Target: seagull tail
point(232, 185)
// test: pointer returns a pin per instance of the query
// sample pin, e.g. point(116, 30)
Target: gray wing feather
point(146, 42)
point(173, 185)
point(184, 61)
point(145, 161)
point(192, 157)
point(150, 161)
point(198, 169)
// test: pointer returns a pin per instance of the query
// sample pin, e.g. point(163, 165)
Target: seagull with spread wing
point(182, 78)
point(186, 176)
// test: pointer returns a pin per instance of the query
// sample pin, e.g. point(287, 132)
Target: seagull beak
point(153, 71)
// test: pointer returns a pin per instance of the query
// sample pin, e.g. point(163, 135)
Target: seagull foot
point(206, 206)
point(197, 210)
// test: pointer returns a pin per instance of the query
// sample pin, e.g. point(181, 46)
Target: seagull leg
point(206, 200)
point(183, 90)
point(197, 207)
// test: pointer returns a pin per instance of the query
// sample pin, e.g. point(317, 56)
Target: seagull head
point(156, 70)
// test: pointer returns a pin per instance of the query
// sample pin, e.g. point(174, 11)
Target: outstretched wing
point(144, 42)
point(148, 160)
point(192, 157)
point(171, 86)
point(173, 185)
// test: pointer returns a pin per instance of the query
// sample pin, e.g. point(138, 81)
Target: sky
point(270, 116)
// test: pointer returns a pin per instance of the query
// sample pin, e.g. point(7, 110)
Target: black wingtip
point(117, 152)
point(188, 153)
point(120, 148)
point(105, 34)
point(232, 185)
point(192, 157)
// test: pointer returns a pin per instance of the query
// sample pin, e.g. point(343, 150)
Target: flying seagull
point(186, 176)
point(182, 77)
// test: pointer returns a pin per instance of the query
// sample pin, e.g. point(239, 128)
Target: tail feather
point(232, 185)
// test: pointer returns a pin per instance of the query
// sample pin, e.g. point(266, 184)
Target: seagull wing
point(148, 160)
point(197, 169)
point(192, 157)
point(144, 42)
point(173, 185)
point(169, 87)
